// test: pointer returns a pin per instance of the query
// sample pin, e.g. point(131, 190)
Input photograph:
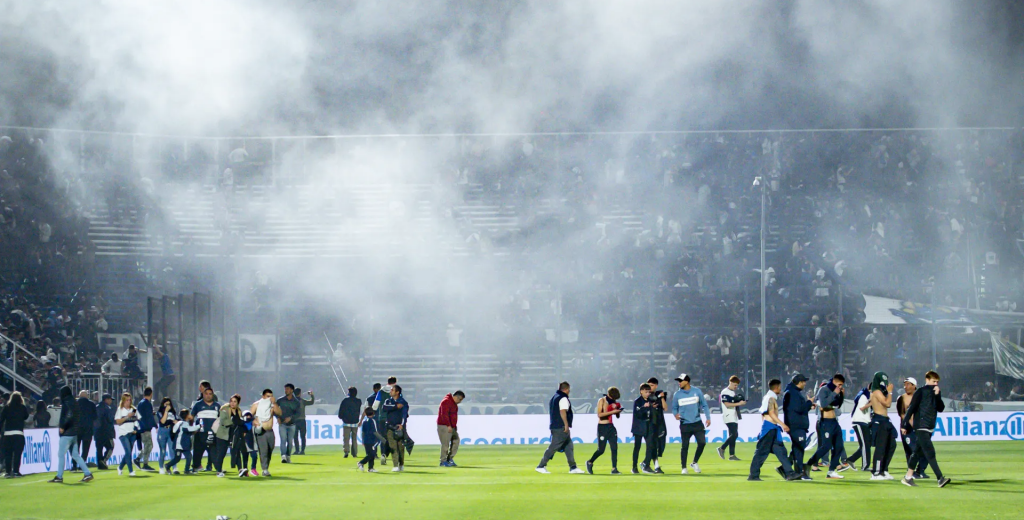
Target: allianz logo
point(37, 450)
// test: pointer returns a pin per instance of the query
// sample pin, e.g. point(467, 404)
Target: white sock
point(656, 465)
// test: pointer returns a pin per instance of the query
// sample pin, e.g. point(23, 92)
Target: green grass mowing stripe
point(499, 482)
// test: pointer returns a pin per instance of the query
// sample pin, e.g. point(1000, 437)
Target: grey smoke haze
point(325, 67)
point(262, 67)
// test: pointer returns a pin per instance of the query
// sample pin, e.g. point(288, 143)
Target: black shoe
point(615, 471)
point(944, 481)
point(590, 467)
point(56, 480)
point(908, 482)
point(87, 478)
point(733, 457)
point(645, 469)
point(346, 455)
point(635, 471)
point(137, 461)
point(754, 479)
point(658, 471)
point(147, 467)
point(102, 467)
point(796, 477)
point(721, 452)
point(921, 476)
point(781, 473)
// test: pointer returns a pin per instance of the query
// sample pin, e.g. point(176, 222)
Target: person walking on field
point(396, 411)
point(687, 405)
point(289, 405)
point(348, 412)
point(263, 412)
point(560, 421)
point(448, 427)
point(608, 407)
point(70, 427)
point(300, 421)
point(731, 402)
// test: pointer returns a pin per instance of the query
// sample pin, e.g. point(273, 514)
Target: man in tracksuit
point(643, 429)
point(830, 438)
point(659, 401)
point(922, 413)
point(560, 421)
point(862, 428)
point(770, 439)
point(687, 405)
point(909, 439)
point(205, 412)
point(795, 407)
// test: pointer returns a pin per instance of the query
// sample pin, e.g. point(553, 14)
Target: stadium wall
point(325, 430)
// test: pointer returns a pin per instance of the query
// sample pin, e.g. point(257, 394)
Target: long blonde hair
point(124, 396)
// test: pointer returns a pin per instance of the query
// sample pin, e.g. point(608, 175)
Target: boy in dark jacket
point(795, 407)
point(371, 439)
point(69, 429)
point(922, 413)
point(643, 429)
point(396, 412)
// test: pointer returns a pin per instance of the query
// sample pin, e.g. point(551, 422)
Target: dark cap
point(799, 378)
point(107, 396)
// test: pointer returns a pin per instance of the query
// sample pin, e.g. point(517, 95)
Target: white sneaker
point(120, 472)
point(360, 467)
point(576, 471)
point(163, 471)
point(684, 472)
point(544, 471)
point(131, 473)
point(877, 477)
point(834, 474)
point(371, 470)
point(696, 468)
point(396, 469)
point(887, 476)
point(221, 474)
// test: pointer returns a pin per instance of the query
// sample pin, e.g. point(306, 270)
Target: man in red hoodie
point(448, 427)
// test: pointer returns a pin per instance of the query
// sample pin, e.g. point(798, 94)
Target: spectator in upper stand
point(349, 412)
point(113, 366)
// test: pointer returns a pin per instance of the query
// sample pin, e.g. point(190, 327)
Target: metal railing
point(105, 384)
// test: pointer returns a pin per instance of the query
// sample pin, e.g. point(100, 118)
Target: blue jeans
point(287, 439)
point(70, 443)
point(127, 442)
point(163, 441)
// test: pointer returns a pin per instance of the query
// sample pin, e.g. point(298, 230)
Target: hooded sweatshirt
point(688, 405)
point(448, 412)
point(70, 415)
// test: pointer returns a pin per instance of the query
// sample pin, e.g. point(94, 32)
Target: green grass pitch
point(500, 482)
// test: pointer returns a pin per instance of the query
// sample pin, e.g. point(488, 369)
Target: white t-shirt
point(729, 415)
point(563, 403)
point(112, 367)
point(126, 427)
point(264, 409)
point(764, 401)
point(859, 416)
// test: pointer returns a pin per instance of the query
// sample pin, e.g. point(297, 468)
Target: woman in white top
point(126, 419)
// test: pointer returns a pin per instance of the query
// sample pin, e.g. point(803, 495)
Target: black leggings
point(606, 434)
point(219, 451)
point(11, 447)
point(686, 430)
point(734, 433)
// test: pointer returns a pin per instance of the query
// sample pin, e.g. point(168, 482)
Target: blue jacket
point(104, 428)
point(395, 415)
point(146, 420)
point(795, 407)
point(688, 405)
point(369, 431)
point(205, 414)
